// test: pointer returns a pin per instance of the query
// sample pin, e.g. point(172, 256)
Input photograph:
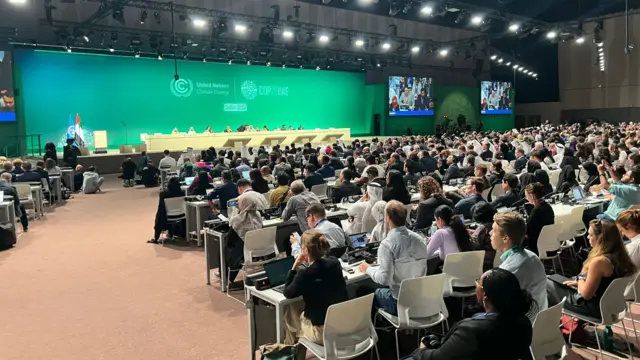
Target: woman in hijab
point(529, 177)
point(569, 159)
point(258, 183)
point(566, 180)
point(200, 184)
point(247, 218)
point(173, 190)
point(381, 229)
point(187, 171)
point(371, 197)
point(543, 178)
point(235, 175)
point(396, 189)
point(594, 177)
point(313, 159)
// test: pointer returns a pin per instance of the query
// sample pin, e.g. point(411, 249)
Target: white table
point(195, 219)
point(57, 186)
point(278, 300)
point(36, 193)
point(68, 174)
point(8, 213)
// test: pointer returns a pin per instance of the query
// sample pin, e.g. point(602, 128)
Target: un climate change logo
point(181, 87)
point(249, 90)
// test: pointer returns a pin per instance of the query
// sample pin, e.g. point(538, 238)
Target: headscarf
point(375, 194)
point(379, 232)
point(248, 217)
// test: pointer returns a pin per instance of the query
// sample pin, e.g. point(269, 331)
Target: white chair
point(348, 331)
point(45, 189)
point(553, 178)
point(485, 194)
point(549, 242)
point(267, 195)
point(176, 210)
point(566, 234)
point(631, 294)
point(505, 163)
point(547, 340)
point(338, 172)
point(578, 225)
point(420, 306)
point(25, 195)
point(613, 309)
point(320, 190)
point(496, 191)
point(462, 270)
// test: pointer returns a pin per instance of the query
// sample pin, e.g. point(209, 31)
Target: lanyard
point(319, 222)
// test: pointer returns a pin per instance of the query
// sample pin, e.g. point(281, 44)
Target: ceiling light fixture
point(199, 23)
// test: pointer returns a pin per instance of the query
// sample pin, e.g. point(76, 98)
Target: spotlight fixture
point(143, 16)
point(323, 39)
point(493, 57)
point(500, 60)
point(68, 48)
point(200, 23)
point(515, 67)
point(136, 53)
point(240, 28)
point(514, 27)
point(268, 63)
point(426, 10)
point(111, 49)
point(160, 56)
point(415, 49)
point(287, 34)
point(359, 43)
point(580, 40)
point(18, 2)
point(600, 44)
point(552, 34)
point(317, 67)
point(508, 63)
point(444, 52)
point(476, 20)
point(386, 46)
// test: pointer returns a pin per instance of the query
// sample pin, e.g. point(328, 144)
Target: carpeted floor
point(84, 284)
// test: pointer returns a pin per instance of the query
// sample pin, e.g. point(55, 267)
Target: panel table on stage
point(177, 142)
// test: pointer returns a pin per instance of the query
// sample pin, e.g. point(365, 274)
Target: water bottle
point(607, 339)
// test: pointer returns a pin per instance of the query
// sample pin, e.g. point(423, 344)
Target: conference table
point(8, 214)
point(180, 141)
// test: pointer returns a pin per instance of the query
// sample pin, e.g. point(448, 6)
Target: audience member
point(326, 170)
point(149, 175)
point(200, 184)
point(316, 219)
point(9, 190)
point(167, 162)
point(128, 172)
point(223, 192)
point(346, 187)
point(28, 175)
point(265, 171)
point(381, 229)
point(624, 192)
point(395, 188)
point(431, 197)
point(258, 183)
point(451, 236)
point(473, 192)
point(300, 199)
point(311, 177)
point(161, 223)
point(482, 215)
point(511, 192)
point(91, 182)
point(540, 216)
point(281, 194)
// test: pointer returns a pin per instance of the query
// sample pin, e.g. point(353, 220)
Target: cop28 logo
point(181, 87)
point(249, 90)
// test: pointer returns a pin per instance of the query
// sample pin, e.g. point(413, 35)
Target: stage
point(111, 162)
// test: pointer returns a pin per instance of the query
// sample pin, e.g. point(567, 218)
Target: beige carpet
point(84, 284)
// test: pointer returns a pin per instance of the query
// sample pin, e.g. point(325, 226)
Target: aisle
point(84, 284)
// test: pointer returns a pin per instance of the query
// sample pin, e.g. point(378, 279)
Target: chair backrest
point(260, 242)
point(632, 291)
point(24, 190)
point(613, 306)
point(565, 226)
point(175, 206)
point(496, 191)
point(505, 163)
point(485, 193)
point(497, 260)
point(547, 339)
point(347, 325)
point(462, 269)
point(576, 218)
point(512, 164)
point(45, 185)
point(421, 298)
point(549, 239)
point(338, 172)
point(320, 190)
point(267, 195)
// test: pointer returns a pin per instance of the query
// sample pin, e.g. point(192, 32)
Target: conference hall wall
point(110, 91)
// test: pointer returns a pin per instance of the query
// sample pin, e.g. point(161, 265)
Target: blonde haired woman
point(608, 260)
point(628, 223)
point(321, 284)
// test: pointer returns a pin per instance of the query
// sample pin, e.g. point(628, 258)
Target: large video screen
point(7, 98)
point(495, 98)
point(410, 96)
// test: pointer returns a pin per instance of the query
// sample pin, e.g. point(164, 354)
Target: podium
point(236, 143)
point(100, 141)
point(273, 139)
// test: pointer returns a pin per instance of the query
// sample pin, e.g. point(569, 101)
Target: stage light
point(427, 10)
point(323, 39)
point(268, 63)
point(515, 67)
point(415, 49)
point(287, 34)
point(386, 46)
point(18, 2)
point(580, 40)
point(552, 34)
point(600, 50)
point(199, 23)
point(317, 67)
point(68, 48)
point(493, 57)
point(500, 60)
point(111, 49)
point(359, 43)
point(508, 63)
point(600, 44)
point(160, 56)
point(476, 20)
point(240, 28)
point(444, 52)
point(522, 69)
point(514, 27)
point(143, 16)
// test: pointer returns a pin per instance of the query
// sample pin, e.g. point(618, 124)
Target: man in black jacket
point(346, 187)
point(486, 154)
point(511, 192)
point(335, 162)
point(395, 163)
point(453, 172)
point(28, 175)
point(429, 163)
point(521, 160)
point(311, 177)
point(218, 168)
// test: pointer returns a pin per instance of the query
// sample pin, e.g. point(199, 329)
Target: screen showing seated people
point(7, 99)
point(495, 97)
point(410, 96)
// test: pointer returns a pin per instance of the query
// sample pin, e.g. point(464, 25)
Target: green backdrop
point(109, 90)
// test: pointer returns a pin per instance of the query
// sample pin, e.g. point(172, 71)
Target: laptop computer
point(577, 193)
point(188, 180)
point(359, 240)
point(277, 271)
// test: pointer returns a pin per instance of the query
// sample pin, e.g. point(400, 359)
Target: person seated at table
point(265, 171)
point(608, 260)
point(497, 173)
point(149, 175)
point(566, 180)
point(346, 187)
point(175, 131)
point(511, 192)
point(280, 195)
point(41, 171)
point(188, 170)
point(569, 159)
point(161, 222)
point(395, 188)
point(335, 161)
point(283, 167)
point(78, 177)
point(503, 331)
point(326, 170)
point(593, 178)
point(218, 168)
point(451, 236)
point(321, 284)
point(540, 216)
point(311, 177)
point(480, 171)
point(242, 165)
point(167, 161)
point(413, 170)
point(258, 183)
point(28, 175)
point(473, 191)
point(17, 167)
point(625, 191)
point(542, 177)
point(247, 218)
point(521, 161)
point(299, 201)
point(227, 129)
point(316, 216)
point(10, 190)
point(128, 172)
point(395, 163)
point(381, 229)
point(482, 214)
point(208, 130)
point(200, 184)
point(453, 171)
point(91, 182)
point(401, 255)
point(431, 197)
point(223, 192)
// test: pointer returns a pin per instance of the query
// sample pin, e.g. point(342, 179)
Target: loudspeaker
point(376, 124)
point(478, 69)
